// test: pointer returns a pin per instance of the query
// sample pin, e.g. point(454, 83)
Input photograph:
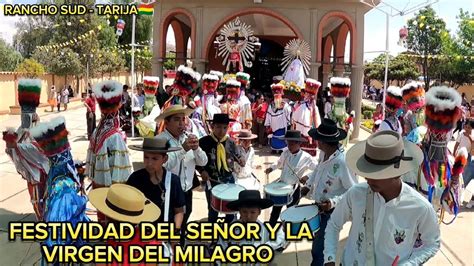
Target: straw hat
point(173, 110)
point(156, 145)
point(384, 155)
point(246, 134)
point(124, 203)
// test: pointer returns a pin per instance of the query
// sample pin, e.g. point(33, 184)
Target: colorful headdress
point(51, 136)
point(414, 95)
point(340, 87)
point(243, 78)
point(311, 86)
point(443, 108)
point(394, 99)
point(151, 85)
point(217, 73)
point(29, 93)
point(277, 79)
point(277, 88)
point(109, 96)
point(233, 89)
point(10, 136)
point(185, 82)
point(210, 83)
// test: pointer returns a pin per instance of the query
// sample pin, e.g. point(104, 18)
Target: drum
point(299, 214)
point(222, 194)
point(280, 193)
point(275, 140)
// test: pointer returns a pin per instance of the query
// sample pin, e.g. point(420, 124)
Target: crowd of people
point(199, 131)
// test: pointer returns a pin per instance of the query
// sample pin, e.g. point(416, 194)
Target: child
point(293, 162)
point(243, 174)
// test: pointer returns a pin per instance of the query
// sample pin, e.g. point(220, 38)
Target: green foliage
point(31, 68)
point(62, 62)
point(9, 57)
point(170, 62)
point(399, 68)
point(32, 31)
point(143, 62)
point(425, 33)
point(111, 62)
point(368, 114)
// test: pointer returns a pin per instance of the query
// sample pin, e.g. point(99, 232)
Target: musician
point(221, 153)
point(244, 176)
point(162, 187)
point(293, 163)
point(183, 162)
point(329, 181)
point(392, 224)
point(250, 206)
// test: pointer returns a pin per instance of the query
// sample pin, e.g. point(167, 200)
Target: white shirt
point(278, 118)
point(183, 163)
point(327, 109)
point(306, 116)
point(246, 171)
point(391, 123)
point(464, 141)
point(293, 166)
point(331, 178)
point(397, 226)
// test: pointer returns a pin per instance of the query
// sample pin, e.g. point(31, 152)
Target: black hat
point(294, 135)
point(328, 132)
point(250, 198)
point(221, 119)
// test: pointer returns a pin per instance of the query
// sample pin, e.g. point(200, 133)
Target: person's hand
point(325, 205)
point(268, 170)
point(187, 144)
point(269, 130)
point(193, 141)
point(330, 264)
point(304, 191)
point(304, 179)
point(204, 176)
point(241, 162)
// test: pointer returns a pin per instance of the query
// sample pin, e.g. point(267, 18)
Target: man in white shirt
point(391, 222)
point(293, 163)
point(329, 181)
point(183, 162)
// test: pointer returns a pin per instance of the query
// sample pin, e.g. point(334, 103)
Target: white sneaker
point(470, 204)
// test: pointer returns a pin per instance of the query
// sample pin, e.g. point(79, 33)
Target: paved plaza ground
point(456, 244)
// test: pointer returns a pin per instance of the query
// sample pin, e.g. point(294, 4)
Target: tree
point(110, 62)
point(400, 68)
point(425, 31)
point(63, 62)
point(143, 61)
point(31, 68)
point(9, 57)
point(32, 31)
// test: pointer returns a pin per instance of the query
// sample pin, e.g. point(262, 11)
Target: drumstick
point(255, 177)
point(395, 262)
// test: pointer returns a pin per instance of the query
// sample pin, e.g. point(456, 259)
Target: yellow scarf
point(221, 155)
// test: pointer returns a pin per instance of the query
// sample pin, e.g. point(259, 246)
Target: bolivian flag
point(145, 9)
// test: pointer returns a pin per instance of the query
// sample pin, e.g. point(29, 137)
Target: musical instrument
point(299, 214)
point(222, 194)
point(280, 193)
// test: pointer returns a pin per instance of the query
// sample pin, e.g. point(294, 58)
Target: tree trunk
point(425, 73)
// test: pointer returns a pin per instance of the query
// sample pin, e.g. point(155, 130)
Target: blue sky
point(374, 39)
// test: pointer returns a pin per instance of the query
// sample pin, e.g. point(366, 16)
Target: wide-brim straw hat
point(124, 203)
point(173, 110)
point(328, 132)
point(384, 155)
point(155, 145)
point(246, 134)
point(293, 135)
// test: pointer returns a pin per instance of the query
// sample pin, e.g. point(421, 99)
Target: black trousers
point(91, 124)
point(188, 195)
point(276, 210)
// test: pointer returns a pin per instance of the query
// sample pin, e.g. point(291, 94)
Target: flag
point(145, 9)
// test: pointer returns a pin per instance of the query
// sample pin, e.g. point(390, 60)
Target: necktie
point(221, 155)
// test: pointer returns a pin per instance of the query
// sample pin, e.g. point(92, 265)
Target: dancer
point(107, 157)
point(393, 103)
point(278, 118)
point(414, 98)
point(210, 106)
point(244, 102)
point(151, 85)
point(389, 218)
point(30, 162)
point(340, 91)
point(306, 115)
point(232, 107)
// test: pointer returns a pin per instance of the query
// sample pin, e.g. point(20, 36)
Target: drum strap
point(167, 195)
point(369, 229)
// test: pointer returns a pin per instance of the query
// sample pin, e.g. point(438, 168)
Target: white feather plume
point(210, 77)
point(340, 81)
point(217, 73)
point(394, 90)
point(151, 78)
point(30, 82)
point(443, 98)
point(233, 82)
point(116, 89)
point(42, 128)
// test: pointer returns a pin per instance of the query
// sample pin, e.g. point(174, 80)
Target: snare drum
point(299, 214)
point(280, 193)
point(222, 194)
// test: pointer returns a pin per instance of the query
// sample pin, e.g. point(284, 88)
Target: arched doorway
point(274, 32)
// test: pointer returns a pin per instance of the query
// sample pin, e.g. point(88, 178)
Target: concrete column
point(339, 71)
point(198, 13)
point(325, 79)
point(314, 69)
point(200, 65)
point(357, 79)
point(157, 68)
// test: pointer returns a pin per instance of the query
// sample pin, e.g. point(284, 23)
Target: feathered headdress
point(443, 108)
point(312, 86)
point(109, 95)
point(185, 82)
point(277, 88)
point(414, 95)
point(340, 87)
point(243, 78)
point(51, 136)
point(233, 89)
point(29, 93)
point(151, 85)
point(10, 136)
point(394, 99)
point(210, 83)
point(217, 73)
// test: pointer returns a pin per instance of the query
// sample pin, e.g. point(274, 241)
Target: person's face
point(293, 146)
point(153, 161)
point(468, 128)
point(260, 99)
point(381, 185)
point(245, 143)
point(176, 124)
point(220, 130)
point(249, 214)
